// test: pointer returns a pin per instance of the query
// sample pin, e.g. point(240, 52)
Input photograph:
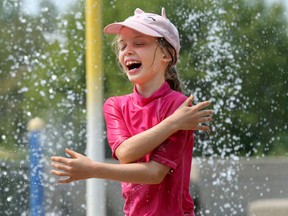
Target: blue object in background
point(37, 207)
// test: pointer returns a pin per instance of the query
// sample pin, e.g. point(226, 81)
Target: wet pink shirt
point(131, 114)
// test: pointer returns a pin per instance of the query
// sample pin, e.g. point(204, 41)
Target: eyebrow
point(136, 37)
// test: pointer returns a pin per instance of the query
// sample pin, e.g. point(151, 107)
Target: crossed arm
point(184, 118)
point(79, 167)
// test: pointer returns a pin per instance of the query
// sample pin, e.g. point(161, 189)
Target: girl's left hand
point(188, 117)
point(78, 167)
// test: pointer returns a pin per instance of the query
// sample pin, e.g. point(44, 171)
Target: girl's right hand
point(189, 117)
point(74, 168)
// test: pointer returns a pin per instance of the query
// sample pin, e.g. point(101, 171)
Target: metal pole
point(95, 190)
point(35, 127)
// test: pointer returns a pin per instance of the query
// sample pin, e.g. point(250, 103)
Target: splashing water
point(42, 73)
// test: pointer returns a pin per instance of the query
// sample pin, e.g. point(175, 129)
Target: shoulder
point(176, 98)
point(170, 103)
point(115, 102)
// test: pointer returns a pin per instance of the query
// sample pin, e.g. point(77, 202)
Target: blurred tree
point(17, 52)
point(42, 74)
point(58, 79)
point(261, 44)
point(237, 59)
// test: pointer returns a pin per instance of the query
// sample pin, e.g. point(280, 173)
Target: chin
point(135, 80)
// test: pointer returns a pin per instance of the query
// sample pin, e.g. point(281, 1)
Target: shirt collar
point(161, 92)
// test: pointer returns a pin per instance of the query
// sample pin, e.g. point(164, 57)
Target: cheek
point(121, 59)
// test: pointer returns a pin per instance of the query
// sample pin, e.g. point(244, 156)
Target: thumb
point(187, 102)
point(72, 153)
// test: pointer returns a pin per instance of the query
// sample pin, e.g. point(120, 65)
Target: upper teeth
point(131, 62)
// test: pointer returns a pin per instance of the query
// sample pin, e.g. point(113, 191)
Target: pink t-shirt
point(131, 114)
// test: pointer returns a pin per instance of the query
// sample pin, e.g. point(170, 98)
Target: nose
point(128, 50)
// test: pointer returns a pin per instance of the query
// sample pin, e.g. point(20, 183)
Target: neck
point(148, 89)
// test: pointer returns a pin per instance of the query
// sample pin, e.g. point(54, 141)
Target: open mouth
point(131, 65)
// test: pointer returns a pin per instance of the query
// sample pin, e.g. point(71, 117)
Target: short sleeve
point(171, 151)
point(117, 131)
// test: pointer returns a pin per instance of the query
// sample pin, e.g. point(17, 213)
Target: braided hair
point(171, 73)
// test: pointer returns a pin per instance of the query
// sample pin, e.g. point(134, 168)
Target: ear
point(166, 58)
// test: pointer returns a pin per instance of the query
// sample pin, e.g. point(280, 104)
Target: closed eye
point(122, 48)
point(139, 44)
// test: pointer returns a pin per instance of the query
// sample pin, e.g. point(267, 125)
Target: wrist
point(95, 169)
point(171, 124)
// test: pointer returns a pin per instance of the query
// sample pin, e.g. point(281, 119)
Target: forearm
point(139, 173)
point(141, 144)
point(186, 117)
point(80, 167)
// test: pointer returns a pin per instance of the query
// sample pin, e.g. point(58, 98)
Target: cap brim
point(115, 28)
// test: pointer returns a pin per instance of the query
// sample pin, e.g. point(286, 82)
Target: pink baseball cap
point(149, 24)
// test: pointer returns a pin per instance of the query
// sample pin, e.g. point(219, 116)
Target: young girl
point(150, 131)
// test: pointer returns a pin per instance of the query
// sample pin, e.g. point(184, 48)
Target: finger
point(202, 128)
point(204, 113)
point(59, 159)
point(204, 120)
point(65, 181)
point(59, 173)
point(61, 167)
point(72, 153)
point(187, 102)
point(67, 178)
point(201, 105)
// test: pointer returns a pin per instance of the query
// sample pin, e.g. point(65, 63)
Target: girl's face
point(141, 58)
